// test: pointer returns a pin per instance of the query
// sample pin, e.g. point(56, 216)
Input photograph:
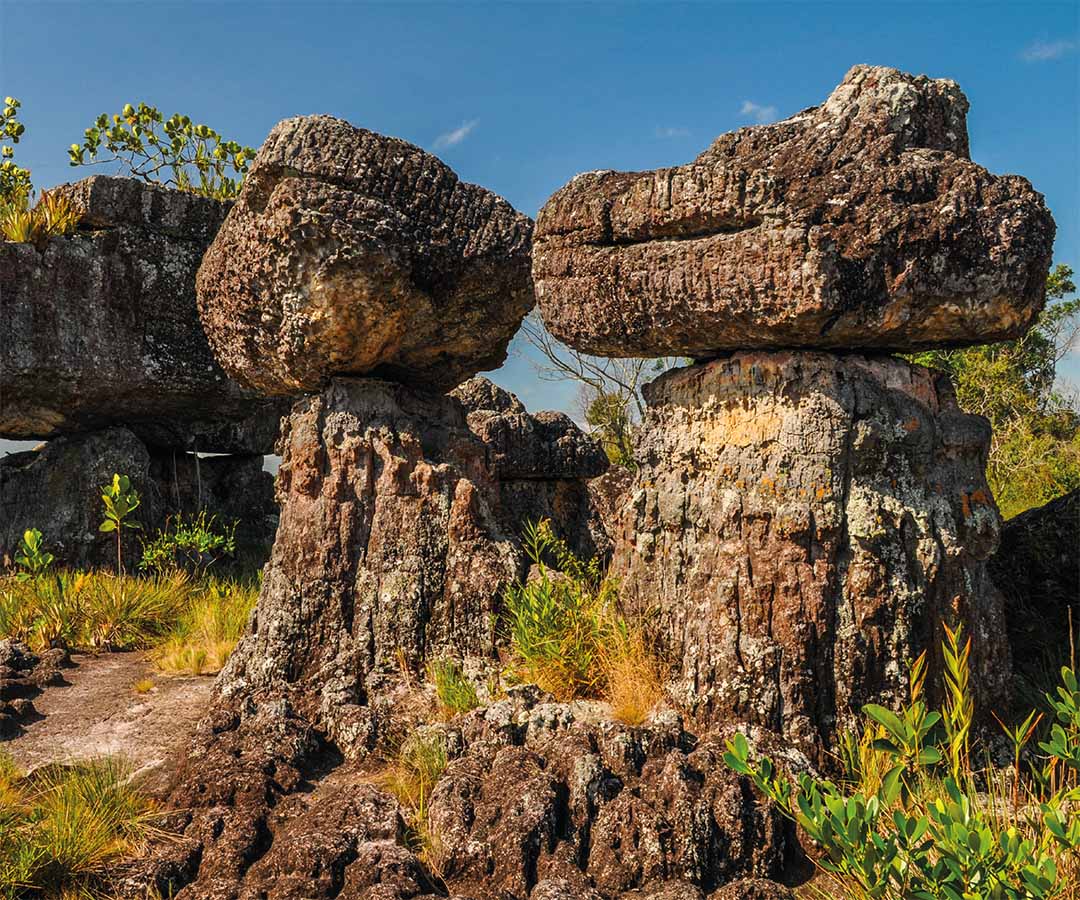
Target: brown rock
point(101, 328)
point(860, 223)
point(388, 551)
point(544, 465)
point(753, 889)
point(350, 253)
point(805, 524)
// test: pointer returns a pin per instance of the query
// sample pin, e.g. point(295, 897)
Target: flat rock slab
point(351, 253)
point(97, 712)
point(100, 328)
point(860, 223)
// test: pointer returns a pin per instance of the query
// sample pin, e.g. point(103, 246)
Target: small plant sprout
point(32, 555)
point(456, 693)
point(120, 500)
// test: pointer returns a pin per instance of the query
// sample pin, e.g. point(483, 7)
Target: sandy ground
point(98, 712)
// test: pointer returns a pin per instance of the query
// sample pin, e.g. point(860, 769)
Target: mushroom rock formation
point(351, 253)
point(544, 464)
point(806, 524)
point(101, 329)
point(389, 552)
point(858, 224)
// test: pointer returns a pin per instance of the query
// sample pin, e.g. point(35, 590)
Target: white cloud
point(1041, 51)
point(763, 115)
point(672, 132)
point(455, 137)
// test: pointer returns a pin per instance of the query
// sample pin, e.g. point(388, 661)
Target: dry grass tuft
point(633, 680)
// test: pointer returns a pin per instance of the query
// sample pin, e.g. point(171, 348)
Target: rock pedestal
point(100, 328)
point(389, 553)
point(801, 527)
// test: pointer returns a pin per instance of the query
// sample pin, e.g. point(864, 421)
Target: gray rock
point(101, 328)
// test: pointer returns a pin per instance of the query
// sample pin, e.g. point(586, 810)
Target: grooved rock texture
point(545, 466)
point(803, 524)
point(351, 253)
point(860, 223)
point(101, 328)
point(1038, 571)
point(389, 551)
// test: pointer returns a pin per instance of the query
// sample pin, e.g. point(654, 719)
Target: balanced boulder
point(860, 223)
point(100, 328)
point(803, 525)
point(351, 253)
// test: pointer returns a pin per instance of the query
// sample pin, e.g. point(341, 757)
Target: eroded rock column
point(802, 526)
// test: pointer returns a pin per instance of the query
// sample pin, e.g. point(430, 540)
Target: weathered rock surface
point(1038, 571)
point(23, 675)
point(389, 552)
point(537, 802)
point(860, 223)
point(544, 464)
point(803, 524)
point(57, 489)
point(101, 328)
point(351, 253)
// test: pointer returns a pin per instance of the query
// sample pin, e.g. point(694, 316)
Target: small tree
point(120, 500)
point(175, 152)
point(14, 180)
point(32, 555)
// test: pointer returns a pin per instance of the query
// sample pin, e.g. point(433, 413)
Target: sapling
point(120, 500)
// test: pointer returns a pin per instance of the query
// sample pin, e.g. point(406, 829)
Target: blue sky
point(519, 97)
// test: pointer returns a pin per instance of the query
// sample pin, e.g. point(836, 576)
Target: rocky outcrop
point(1038, 571)
point(543, 463)
point(860, 223)
point(351, 253)
point(101, 328)
point(802, 525)
point(389, 552)
point(57, 490)
point(23, 675)
point(539, 800)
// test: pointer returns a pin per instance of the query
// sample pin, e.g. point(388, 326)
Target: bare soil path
point(98, 712)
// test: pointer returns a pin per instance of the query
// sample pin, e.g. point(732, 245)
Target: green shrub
point(14, 180)
point(192, 543)
point(121, 613)
point(559, 620)
point(914, 820)
point(167, 151)
point(456, 693)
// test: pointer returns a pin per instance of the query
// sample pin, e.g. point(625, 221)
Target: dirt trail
point(98, 712)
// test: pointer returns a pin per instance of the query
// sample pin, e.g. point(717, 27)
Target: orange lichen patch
point(911, 424)
point(739, 426)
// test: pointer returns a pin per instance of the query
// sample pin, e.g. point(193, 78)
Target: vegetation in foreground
point(567, 635)
point(916, 818)
point(63, 827)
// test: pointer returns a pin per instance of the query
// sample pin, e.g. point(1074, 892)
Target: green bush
point(175, 152)
point(14, 180)
point(32, 555)
point(192, 543)
point(560, 619)
point(914, 820)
